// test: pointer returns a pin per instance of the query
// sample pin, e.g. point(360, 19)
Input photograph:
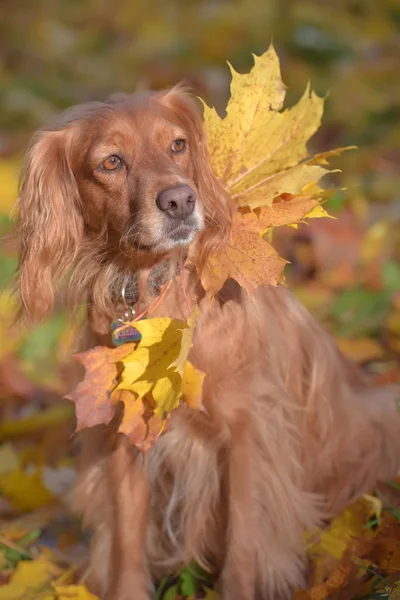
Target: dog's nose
point(178, 202)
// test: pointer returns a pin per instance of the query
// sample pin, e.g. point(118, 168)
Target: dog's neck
point(160, 289)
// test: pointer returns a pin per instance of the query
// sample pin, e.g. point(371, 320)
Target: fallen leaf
point(9, 173)
point(211, 594)
point(73, 592)
point(350, 524)
point(25, 491)
point(326, 547)
point(332, 584)
point(29, 578)
point(360, 350)
point(37, 422)
point(9, 459)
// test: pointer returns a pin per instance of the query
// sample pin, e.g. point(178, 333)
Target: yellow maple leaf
point(256, 149)
point(259, 152)
point(153, 365)
point(150, 379)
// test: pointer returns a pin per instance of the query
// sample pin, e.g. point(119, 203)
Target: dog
point(119, 196)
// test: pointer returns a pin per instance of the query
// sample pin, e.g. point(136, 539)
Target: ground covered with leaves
point(345, 270)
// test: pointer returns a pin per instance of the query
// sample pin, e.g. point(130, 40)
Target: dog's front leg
point(238, 575)
point(128, 573)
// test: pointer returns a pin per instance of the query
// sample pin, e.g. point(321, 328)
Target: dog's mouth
point(179, 235)
point(184, 232)
point(171, 235)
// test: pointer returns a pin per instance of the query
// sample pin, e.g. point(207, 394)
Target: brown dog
point(118, 195)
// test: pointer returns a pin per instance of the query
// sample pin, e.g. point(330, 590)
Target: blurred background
point(54, 53)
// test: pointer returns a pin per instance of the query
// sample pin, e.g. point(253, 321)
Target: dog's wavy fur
point(293, 433)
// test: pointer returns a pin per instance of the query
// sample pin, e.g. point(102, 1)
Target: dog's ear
point(218, 205)
point(50, 222)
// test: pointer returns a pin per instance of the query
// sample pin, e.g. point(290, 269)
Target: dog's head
point(127, 178)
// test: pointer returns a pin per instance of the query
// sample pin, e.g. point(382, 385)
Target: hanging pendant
point(123, 332)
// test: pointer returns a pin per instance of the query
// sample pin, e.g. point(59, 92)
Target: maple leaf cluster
point(259, 153)
point(150, 378)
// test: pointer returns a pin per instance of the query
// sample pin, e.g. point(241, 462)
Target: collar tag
point(123, 332)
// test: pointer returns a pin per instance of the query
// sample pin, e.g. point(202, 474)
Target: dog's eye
point(112, 163)
point(178, 146)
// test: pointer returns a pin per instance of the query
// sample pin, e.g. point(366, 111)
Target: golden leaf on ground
point(9, 173)
point(360, 350)
point(9, 459)
point(350, 524)
point(326, 547)
point(24, 490)
point(393, 590)
point(29, 578)
point(73, 592)
point(51, 417)
point(333, 584)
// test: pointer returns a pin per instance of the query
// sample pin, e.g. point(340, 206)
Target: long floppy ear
point(219, 208)
point(50, 222)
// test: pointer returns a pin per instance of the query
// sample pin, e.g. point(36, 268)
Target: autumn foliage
point(259, 152)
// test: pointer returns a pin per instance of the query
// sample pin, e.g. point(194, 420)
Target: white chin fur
point(168, 243)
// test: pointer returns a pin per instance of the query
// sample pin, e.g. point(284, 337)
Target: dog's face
point(116, 186)
point(135, 164)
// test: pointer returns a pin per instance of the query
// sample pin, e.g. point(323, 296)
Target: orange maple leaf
point(246, 257)
point(139, 423)
point(249, 258)
point(96, 398)
point(92, 397)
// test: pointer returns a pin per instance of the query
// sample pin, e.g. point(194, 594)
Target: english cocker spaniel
point(118, 196)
